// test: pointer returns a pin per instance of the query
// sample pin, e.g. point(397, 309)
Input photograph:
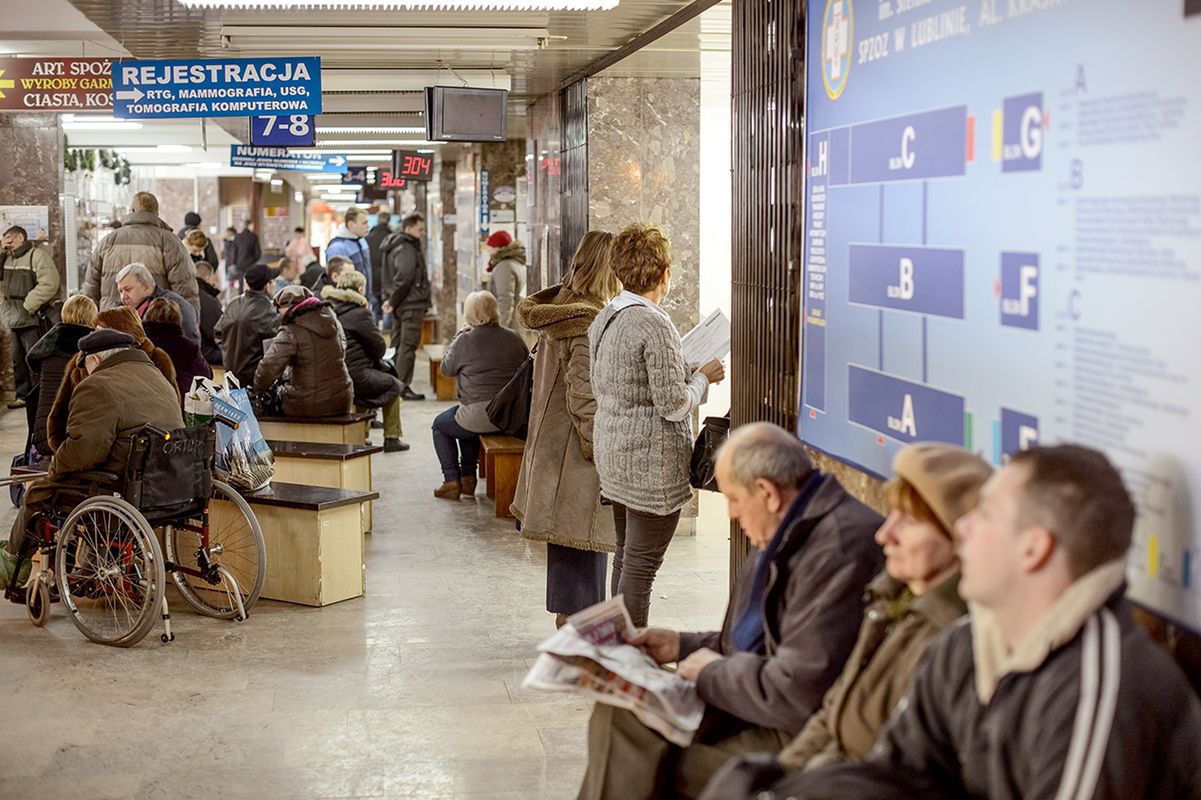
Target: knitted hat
point(291, 295)
point(104, 339)
point(500, 239)
point(948, 478)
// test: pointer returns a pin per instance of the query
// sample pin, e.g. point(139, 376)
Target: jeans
point(23, 340)
point(458, 449)
point(406, 335)
point(642, 540)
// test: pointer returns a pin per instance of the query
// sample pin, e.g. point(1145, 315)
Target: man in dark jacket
point(248, 320)
point(246, 251)
point(136, 288)
point(122, 392)
point(791, 623)
point(191, 222)
point(28, 282)
point(210, 311)
point(407, 289)
point(1049, 689)
point(375, 237)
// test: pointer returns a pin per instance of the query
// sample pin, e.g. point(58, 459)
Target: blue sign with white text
point(295, 130)
point(217, 87)
point(242, 155)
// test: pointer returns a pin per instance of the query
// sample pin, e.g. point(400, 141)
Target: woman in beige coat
point(558, 492)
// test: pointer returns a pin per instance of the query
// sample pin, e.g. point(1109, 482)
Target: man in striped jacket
point(1049, 690)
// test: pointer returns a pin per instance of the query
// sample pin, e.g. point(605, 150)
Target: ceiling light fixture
point(102, 124)
point(369, 129)
point(414, 5)
point(283, 37)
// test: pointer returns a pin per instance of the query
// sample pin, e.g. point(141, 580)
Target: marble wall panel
point(545, 164)
point(644, 165)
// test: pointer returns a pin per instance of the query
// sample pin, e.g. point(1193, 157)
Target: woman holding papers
point(558, 497)
point(645, 395)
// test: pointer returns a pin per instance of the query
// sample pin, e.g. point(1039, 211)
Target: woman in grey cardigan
point(481, 358)
point(558, 492)
point(645, 397)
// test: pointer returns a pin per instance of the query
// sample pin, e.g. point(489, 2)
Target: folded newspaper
point(589, 656)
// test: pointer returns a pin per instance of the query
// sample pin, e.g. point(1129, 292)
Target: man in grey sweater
point(792, 621)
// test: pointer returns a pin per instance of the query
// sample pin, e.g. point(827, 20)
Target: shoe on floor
point(395, 446)
point(376, 425)
point(449, 490)
point(409, 394)
point(21, 403)
point(469, 485)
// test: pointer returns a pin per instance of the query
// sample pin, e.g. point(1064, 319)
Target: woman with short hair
point(558, 499)
point(645, 397)
point(48, 359)
point(482, 359)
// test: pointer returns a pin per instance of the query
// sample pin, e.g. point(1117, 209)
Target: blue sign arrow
point(241, 155)
point(217, 87)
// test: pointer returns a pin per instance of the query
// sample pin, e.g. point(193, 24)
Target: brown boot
point(449, 490)
point(560, 620)
point(468, 484)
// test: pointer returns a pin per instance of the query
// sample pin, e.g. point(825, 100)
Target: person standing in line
point(210, 311)
point(246, 252)
point(506, 265)
point(375, 237)
point(558, 498)
point(147, 240)
point(29, 281)
point(350, 241)
point(407, 285)
point(645, 396)
point(191, 222)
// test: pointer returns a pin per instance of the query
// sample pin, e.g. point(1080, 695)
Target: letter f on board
point(1029, 289)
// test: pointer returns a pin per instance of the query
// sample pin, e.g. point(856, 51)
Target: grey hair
point(480, 308)
point(763, 450)
point(139, 271)
point(103, 355)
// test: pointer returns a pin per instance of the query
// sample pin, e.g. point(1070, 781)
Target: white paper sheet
point(708, 340)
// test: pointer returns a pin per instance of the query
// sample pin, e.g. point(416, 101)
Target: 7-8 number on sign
point(299, 125)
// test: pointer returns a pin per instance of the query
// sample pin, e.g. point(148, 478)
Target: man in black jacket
point(406, 289)
point(792, 621)
point(210, 311)
point(1049, 689)
point(246, 251)
point(248, 320)
point(375, 238)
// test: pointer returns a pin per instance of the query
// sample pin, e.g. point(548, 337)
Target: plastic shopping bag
point(243, 458)
point(198, 402)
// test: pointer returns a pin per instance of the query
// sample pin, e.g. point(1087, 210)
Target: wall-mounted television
point(464, 114)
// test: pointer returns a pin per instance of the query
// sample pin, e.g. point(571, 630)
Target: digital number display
point(412, 165)
point(389, 180)
point(297, 130)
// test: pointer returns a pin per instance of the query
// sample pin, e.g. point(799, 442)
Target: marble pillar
point(446, 259)
point(31, 173)
point(543, 160)
point(644, 166)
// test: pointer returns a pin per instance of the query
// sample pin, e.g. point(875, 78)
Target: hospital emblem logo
point(838, 31)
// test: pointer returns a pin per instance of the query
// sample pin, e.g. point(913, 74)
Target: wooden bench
point(429, 329)
point(346, 429)
point(314, 542)
point(500, 463)
point(444, 387)
point(339, 466)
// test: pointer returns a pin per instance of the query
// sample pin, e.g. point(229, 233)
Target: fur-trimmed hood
point(335, 295)
point(557, 312)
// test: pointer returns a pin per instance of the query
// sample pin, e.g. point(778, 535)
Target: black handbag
point(509, 410)
point(702, 470)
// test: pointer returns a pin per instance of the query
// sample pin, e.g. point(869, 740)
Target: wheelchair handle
point(24, 477)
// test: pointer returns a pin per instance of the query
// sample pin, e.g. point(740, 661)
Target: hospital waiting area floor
point(411, 691)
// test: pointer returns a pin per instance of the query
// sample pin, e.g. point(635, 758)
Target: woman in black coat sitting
point(48, 360)
point(164, 326)
point(374, 384)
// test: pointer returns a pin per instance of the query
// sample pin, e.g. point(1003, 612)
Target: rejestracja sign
point(218, 87)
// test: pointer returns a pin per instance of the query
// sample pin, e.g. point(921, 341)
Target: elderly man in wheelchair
point(126, 467)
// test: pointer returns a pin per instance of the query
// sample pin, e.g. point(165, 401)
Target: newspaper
point(707, 341)
point(589, 656)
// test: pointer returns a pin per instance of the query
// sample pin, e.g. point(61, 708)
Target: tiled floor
point(413, 691)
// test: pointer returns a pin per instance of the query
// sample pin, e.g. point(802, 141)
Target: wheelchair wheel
point(37, 601)
point(110, 571)
point(235, 544)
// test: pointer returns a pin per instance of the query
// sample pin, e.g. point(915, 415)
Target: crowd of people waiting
point(976, 642)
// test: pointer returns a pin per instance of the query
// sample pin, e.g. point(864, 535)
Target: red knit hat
point(500, 239)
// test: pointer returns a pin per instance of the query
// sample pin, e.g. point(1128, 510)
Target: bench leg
point(506, 466)
point(490, 481)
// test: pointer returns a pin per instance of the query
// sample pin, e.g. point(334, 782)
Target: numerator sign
point(412, 165)
point(297, 130)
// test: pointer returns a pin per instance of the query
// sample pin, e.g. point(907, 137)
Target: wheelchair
point(100, 556)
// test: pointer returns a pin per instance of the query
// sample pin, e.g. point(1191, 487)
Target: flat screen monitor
point(463, 114)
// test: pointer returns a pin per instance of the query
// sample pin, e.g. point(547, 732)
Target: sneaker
point(409, 394)
point(469, 485)
point(449, 490)
point(395, 446)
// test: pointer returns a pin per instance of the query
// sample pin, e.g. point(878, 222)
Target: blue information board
point(295, 130)
point(1003, 245)
point(216, 87)
point(242, 155)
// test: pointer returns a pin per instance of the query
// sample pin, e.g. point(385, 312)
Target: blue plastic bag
point(243, 458)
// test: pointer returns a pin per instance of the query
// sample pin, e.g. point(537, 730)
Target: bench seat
point(314, 541)
point(340, 466)
point(501, 464)
point(344, 429)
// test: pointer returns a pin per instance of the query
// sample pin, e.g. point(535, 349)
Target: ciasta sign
point(68, 84)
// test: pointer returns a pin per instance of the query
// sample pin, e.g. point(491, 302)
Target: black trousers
point(406, 335)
